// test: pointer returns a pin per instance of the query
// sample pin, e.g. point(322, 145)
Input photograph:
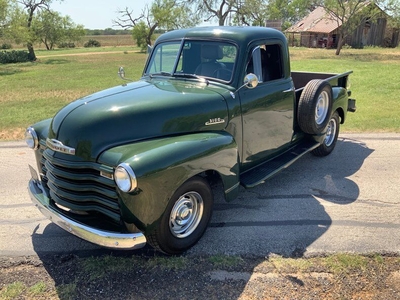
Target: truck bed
point(300, 79)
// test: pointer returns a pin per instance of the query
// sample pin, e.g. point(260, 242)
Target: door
point(267, 110)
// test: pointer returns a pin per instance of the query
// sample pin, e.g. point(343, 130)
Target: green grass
point(12, 290)
point(35, 91)
point(30, 92)
point(99, 267)
point(225, 261)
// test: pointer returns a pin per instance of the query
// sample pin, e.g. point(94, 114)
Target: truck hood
point(141, 110)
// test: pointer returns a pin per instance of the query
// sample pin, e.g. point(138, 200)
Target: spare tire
point(315, 106)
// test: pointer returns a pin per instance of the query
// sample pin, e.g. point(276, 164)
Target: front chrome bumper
point(107, 239)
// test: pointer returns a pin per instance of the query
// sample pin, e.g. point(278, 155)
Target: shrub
point(6, 46)
point(66, 45)
point(92, 43)
point(12, 57)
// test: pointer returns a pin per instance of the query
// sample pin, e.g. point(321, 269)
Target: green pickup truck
point(216, 106)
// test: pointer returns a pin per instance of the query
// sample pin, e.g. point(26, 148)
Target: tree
point(31, 7)
point(219, 9)
point(289, 11)
point(3, 13)
point(252, 13)
point(6, 10)
point(141, 34)
point(161, 14)
point(51, 28)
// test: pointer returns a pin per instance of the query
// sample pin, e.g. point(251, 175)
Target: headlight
point(125, 178)
point(31, 138)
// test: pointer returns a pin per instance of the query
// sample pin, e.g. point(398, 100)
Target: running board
point(266, 170)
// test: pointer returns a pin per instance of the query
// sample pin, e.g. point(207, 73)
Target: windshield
point(210, 59)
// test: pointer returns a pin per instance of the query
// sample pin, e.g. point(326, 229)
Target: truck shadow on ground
point(283, 216)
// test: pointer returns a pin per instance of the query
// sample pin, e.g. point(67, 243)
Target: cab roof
point(238, 34)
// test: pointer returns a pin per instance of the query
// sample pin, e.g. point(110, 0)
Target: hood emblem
point(215, 121)
point(59, 147)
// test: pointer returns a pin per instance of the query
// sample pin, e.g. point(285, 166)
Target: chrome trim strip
point(103, 238)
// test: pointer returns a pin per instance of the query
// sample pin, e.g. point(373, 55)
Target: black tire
point(330, 140)
point(315, 106)
point(185, 219)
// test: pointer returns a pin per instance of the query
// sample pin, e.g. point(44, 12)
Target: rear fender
point(162, 165)
point(340, 102)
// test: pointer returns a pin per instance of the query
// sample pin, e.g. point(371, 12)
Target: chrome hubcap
point(186, 214)
point(321, 110)
point(330, 132)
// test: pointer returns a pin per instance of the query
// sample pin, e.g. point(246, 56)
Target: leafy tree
point(51, 28)
point(6, 10)
point(3, 13)
point(218, 9)
point(162, 14)
point(252, 13)
point(31, 7)
point(141, 34)
point(289, 11)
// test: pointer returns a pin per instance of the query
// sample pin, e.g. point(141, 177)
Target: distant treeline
point(108, 31)
point(111, 31)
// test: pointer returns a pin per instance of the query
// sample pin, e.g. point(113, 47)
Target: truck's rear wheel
point(315, 106)
point(185, 219)
point(331, 137)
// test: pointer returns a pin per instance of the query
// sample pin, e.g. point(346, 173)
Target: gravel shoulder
point(149, 276)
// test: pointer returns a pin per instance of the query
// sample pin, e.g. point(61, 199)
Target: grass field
point(30, 92)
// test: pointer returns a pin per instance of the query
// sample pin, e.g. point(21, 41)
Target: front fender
point(162, 165)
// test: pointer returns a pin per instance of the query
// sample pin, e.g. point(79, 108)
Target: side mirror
point(251, 81)
point(121, 74)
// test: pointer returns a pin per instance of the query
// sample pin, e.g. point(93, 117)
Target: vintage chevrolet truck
point(215, 106)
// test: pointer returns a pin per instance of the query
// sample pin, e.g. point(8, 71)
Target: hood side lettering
point(57, 146)
point(215, 121)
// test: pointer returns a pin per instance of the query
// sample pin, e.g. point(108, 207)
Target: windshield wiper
point(161, 73)
point(187, 75)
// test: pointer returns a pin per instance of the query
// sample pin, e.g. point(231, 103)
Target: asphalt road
point(346, 202)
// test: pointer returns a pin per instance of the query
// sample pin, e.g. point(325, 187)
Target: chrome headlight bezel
point(125, 178)
point(31, 138)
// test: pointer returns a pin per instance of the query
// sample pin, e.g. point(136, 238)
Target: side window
point(266, 62)
point(272, 62)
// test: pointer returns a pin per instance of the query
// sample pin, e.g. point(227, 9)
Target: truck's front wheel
point(185, 219)
point(332, 133)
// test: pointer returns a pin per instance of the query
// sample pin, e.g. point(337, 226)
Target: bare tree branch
point(127, 20)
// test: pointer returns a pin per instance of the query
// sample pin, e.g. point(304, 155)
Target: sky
point(96, 14)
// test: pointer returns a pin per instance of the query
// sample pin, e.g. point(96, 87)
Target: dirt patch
point(85, 54)
point(155, 277)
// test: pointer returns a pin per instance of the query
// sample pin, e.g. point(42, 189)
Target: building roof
point(319, 20)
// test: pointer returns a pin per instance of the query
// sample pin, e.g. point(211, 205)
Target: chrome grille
point(78, 186)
